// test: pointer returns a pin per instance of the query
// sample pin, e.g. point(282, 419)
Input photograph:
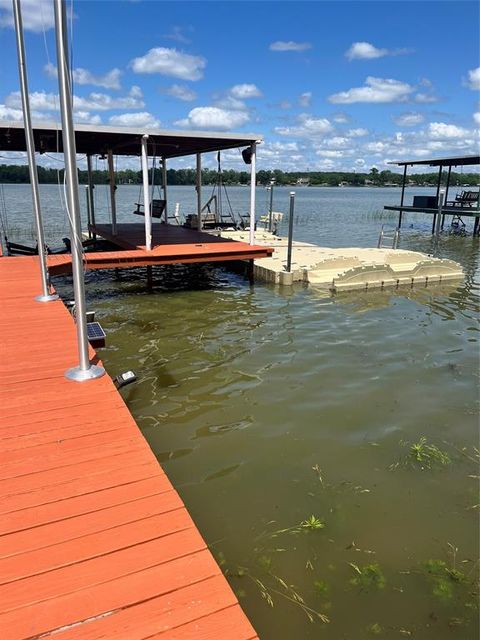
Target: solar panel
point(96, 335)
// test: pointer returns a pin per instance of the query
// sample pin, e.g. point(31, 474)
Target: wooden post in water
point(91, 187)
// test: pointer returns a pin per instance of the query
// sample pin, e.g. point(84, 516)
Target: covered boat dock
point(163, 240)
point(462, 205)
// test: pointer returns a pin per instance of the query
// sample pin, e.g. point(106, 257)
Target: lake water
point(267, 406)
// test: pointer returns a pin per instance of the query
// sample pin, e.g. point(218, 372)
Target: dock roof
point(452, 161)
point(123, 141)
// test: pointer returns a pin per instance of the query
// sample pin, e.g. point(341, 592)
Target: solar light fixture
point(125, 378)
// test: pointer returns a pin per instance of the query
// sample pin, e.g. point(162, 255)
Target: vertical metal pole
point(434, 223)
point(446, 192)
point(270, 212)
point(439, 215)
point(290, 230)
point(87, 202)
point(45, 296)
point(253, 184)
point(84, 371)
point(146, 197)
point(164, 180)
point(199, 191)
point(113, 203)
point(402, 196)
point(91, 187)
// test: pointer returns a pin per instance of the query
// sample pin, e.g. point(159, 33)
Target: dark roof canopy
point(122, 141)
point(454, 161)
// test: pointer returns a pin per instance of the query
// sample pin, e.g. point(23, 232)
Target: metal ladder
point(383, 236)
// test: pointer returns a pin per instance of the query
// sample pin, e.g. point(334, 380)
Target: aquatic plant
point(368, 577)
point(321, 587)
point(312, 523)
point(374, 629)
point(423, 455)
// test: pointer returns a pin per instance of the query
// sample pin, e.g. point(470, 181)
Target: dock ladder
point(383, 236)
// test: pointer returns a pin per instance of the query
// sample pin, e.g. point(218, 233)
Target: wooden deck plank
point(94, 540)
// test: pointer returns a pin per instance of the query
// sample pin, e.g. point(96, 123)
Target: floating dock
point(346, 269)
point(95, 542)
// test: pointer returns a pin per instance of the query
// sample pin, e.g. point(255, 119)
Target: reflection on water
point(268, 406)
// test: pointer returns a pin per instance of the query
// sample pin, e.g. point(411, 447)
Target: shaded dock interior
point(95, 542)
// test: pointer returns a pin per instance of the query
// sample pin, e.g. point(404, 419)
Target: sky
point(328, 85)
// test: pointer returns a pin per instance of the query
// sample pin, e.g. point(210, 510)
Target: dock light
point(125, 378)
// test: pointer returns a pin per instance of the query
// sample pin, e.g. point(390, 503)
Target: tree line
point(19, 174)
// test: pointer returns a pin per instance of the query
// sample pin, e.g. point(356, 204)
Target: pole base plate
point(48, 298)
point(81, 375)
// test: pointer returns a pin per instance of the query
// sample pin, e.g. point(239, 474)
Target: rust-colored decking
point(171, 244)
point(94, 540)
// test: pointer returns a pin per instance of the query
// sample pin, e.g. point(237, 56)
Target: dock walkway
point(94, 540)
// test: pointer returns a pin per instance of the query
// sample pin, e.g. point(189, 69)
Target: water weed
point(422, 455)
point(367, 578)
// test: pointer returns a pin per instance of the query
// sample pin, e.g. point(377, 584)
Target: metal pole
point(446, 193)
point(270, 213)
point(439, 215)
point(91, 187)
point(87, 201)
point(45, 296)
point(253, 184)
point(146, 198)
point(199, 191)
point(290, 230)
point(164, 180)
point(434, 223)
point(403, 195)
point(113, 188)
point(85, 370)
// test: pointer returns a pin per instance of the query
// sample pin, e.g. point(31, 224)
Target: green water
point(267, 406)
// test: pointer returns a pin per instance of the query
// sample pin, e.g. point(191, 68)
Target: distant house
point(303, 182)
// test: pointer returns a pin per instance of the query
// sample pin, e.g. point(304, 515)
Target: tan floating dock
point(347, 269)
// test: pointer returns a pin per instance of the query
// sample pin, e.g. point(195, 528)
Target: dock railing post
point(46, 295)
point(85, 370)
point(199, 191)
point(146, 196)
point(290, 231)
point(253, 184)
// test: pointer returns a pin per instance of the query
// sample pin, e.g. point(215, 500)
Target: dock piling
point(290, 231)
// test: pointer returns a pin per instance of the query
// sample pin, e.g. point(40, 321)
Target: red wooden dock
point(171, 244)
point(94, 540)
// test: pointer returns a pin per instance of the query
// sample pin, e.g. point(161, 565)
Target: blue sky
point(329, 85)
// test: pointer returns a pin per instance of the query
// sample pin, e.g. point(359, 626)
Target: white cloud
point(307, 127)
point(9, 113)
point(181, 92)
point(110, 80)
point(170, 62)
point(141, 119)
point(425, 98)
point(305, 99)
point(36, 15)
point(214, 118)
point(357, 133)
point(340, 117)
point(177, 34)
point(409, 119)
point(476, 117)
point(376, 90)
point(473, 81)
point(229, 102)
point(93, 102)
point(281, 45)
point(85, 117)
point(337, 142)
point(366, 51)
point(330, 153)
point(442, 131)
point(245, 91)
